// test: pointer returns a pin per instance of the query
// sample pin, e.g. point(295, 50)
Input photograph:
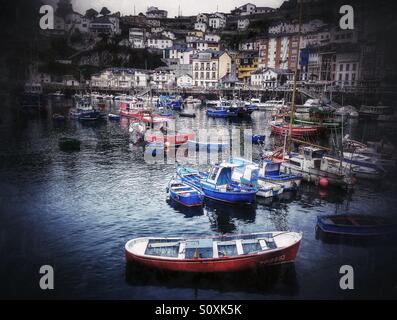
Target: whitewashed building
point(209, 67)
point(243, 24)
point(202, 17)
point(184, 81)
point(159, 42)
point(168, 34)
point(156, 13)
point(163, 78)
point(137, 38)
point(106, 25)
point(347, 68)
point(201, 26)
point(270, 77)
point(217, 21)
point(120, 78)
point(202, 45)
point(212, 37)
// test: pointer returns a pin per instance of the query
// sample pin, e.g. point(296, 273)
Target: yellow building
point(247, 62)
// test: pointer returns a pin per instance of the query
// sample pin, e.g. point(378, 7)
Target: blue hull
point(194, 200)
point(258, 138)
point(221, 113)
point(351, 230)
point(210, 191)
point(230, 197)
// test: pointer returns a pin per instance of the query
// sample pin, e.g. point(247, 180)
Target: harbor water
point(76, 210)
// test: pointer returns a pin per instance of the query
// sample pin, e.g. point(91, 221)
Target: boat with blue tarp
point(218, 184)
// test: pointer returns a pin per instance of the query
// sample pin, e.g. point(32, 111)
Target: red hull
point(225, 264)
point(173, 140)
point(296, 131)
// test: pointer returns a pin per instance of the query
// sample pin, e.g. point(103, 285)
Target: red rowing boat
point(214, 254)
point(297, 131)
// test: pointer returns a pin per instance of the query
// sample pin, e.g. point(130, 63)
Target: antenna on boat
point(295, 76)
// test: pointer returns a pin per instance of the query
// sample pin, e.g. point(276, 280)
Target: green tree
point(64, 8)
point(91, 13)
point(105, 11)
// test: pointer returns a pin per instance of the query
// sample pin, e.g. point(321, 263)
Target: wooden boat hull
point(221, 113)
point(229, 197)
point(170, 140)
point(355, 225)
point(213, 265)
point(301, 131)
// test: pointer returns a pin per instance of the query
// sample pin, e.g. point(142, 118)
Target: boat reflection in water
point(279, 280)
point(188, 212)
point(223, 216)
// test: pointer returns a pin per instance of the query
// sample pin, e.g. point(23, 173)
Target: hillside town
point(250, 47)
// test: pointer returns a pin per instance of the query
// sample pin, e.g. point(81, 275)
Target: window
point(341, 67)
point(346, 77)
point(214, 75)
point(340, 77)
point(202, 75)
point(208, 75)
point(354, 67)
point(348, 67)
point(353, 77)
point(196, 75)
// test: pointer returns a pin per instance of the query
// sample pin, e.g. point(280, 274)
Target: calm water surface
point(75, 211)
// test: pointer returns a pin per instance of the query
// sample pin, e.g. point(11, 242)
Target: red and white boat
point(132, 109)
point(297, 130)
point(158, 129)
point(214, 254)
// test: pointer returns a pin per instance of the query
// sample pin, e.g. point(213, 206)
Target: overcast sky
point(188, 7)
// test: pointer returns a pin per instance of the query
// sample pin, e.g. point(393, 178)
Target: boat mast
point(295, 76)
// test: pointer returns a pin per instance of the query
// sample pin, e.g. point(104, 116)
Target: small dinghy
point(184, 194)
point(355, 225)
point(214, 254)
point(187, 115)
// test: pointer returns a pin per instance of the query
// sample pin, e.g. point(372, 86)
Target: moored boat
point(85, 111)
point(218, 184)
point(184, 194)
point(355, 225)
point(297, 130)
point(214, 254)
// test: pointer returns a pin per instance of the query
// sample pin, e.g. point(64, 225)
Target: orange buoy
point(324, 182)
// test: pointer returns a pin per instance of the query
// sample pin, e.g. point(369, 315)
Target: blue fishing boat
point(222, 110)
point(242, 109)
point(218, 184)
point(247, 173)
point(85, 111)
point(172, 102)
point(207, 146)
point(270, 171)
point(355, 225)
point(184, 194)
